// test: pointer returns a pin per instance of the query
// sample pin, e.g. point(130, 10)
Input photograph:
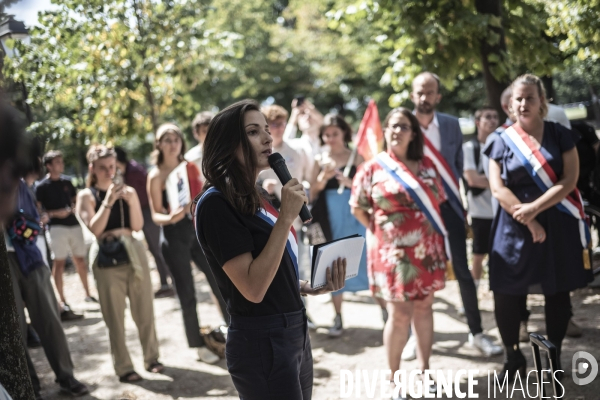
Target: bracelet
point(105, 204)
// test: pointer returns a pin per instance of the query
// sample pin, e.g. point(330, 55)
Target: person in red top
point(406, 255)
point(135, 175)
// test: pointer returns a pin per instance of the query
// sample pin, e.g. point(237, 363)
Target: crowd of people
point(245, 235)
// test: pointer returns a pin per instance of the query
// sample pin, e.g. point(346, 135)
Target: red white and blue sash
point(544, 176)
point(418, 191)
point(269, 215)
point(449, 181)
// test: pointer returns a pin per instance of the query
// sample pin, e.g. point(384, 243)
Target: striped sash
point(269, 215)
point(449, 181)
point(418, 191)
point(544, 176)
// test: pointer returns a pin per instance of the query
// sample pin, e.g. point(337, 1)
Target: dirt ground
point(359, 348)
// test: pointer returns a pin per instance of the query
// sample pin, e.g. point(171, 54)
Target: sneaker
point(460, 311)
point(33, 340)
point(574, 330)
point(311, 325)
point(485, 345)
point(410, 350)
point(337, 329)
point(164, 291)
point(523, 333)
point(91, 299)
point(68, 315)
point(207, 356)
point(73, 387)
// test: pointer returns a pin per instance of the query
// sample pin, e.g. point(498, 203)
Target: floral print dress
point(405, 254)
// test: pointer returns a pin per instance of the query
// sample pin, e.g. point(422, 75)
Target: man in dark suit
point(444, 135)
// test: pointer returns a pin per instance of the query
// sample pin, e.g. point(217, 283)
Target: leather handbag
point(112, 251)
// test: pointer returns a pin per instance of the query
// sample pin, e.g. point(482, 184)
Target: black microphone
point(277, 163)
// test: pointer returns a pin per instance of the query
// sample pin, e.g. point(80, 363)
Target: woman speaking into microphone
point(253, 253)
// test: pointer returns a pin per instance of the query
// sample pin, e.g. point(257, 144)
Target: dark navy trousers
point(270, 357)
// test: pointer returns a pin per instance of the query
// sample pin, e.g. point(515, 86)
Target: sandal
point(130, 377)
point(155, 367)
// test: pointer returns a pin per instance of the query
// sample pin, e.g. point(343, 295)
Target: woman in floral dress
point(406, 255)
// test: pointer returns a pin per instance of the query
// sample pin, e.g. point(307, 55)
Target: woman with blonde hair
point(112, 211)
point(179, 244)
point(538, 234)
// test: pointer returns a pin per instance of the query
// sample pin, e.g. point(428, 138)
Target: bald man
point(444, 140)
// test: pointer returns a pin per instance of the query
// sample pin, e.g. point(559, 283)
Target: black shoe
point(73, 387)
point(68, 315)
point(33, 340)
point(91, 299)
point(514, 363)
point(164, 291)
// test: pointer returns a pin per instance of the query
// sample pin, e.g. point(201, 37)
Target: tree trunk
point(13, 364)
point(494, 84)
point(150, 99)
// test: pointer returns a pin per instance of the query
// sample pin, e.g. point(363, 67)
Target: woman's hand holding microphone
point(293, 198)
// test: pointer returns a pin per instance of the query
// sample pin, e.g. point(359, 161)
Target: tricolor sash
point(544, 176)
point(419, 192)
point(449, 181)
point(269, 215)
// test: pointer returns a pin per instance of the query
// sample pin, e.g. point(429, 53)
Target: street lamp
point(16, 30)
point(12, 29)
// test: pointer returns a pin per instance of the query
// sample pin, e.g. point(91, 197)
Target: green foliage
point(111, 71)
point(104, 71)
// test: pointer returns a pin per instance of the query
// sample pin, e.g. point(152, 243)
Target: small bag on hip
point(112, 251)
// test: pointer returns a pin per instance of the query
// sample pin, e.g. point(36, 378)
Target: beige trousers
point(114, 285)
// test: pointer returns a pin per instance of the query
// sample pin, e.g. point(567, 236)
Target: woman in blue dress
point(330, 208)
point(533, 242)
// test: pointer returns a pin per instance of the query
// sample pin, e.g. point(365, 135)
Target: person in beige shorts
point(56, 196)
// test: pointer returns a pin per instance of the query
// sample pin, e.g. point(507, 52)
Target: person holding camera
point(112, 211)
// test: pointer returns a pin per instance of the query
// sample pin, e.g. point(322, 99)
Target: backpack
point(477, 153)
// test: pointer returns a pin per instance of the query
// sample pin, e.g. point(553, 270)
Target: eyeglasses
point(401, 128)
point(277, 125)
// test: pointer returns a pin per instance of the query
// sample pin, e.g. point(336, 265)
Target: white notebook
point(323, 255)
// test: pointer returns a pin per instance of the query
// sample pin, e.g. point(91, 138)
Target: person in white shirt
point(557, 114)
point(309, 120)
point(295, 160)
point(199, 129)
point(479, 196)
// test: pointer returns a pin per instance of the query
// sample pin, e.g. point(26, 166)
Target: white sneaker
point(410, 350)
point(460, 311)
point(337, 329)
point(207, 356)
point(485, 345)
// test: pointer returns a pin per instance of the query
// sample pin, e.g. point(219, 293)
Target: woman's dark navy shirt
point(225, 234)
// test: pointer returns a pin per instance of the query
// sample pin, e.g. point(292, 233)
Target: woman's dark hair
point(220, 165)
point(336, 120)
point(415, 148)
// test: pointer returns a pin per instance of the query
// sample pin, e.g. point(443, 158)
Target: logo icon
point(581, 368)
